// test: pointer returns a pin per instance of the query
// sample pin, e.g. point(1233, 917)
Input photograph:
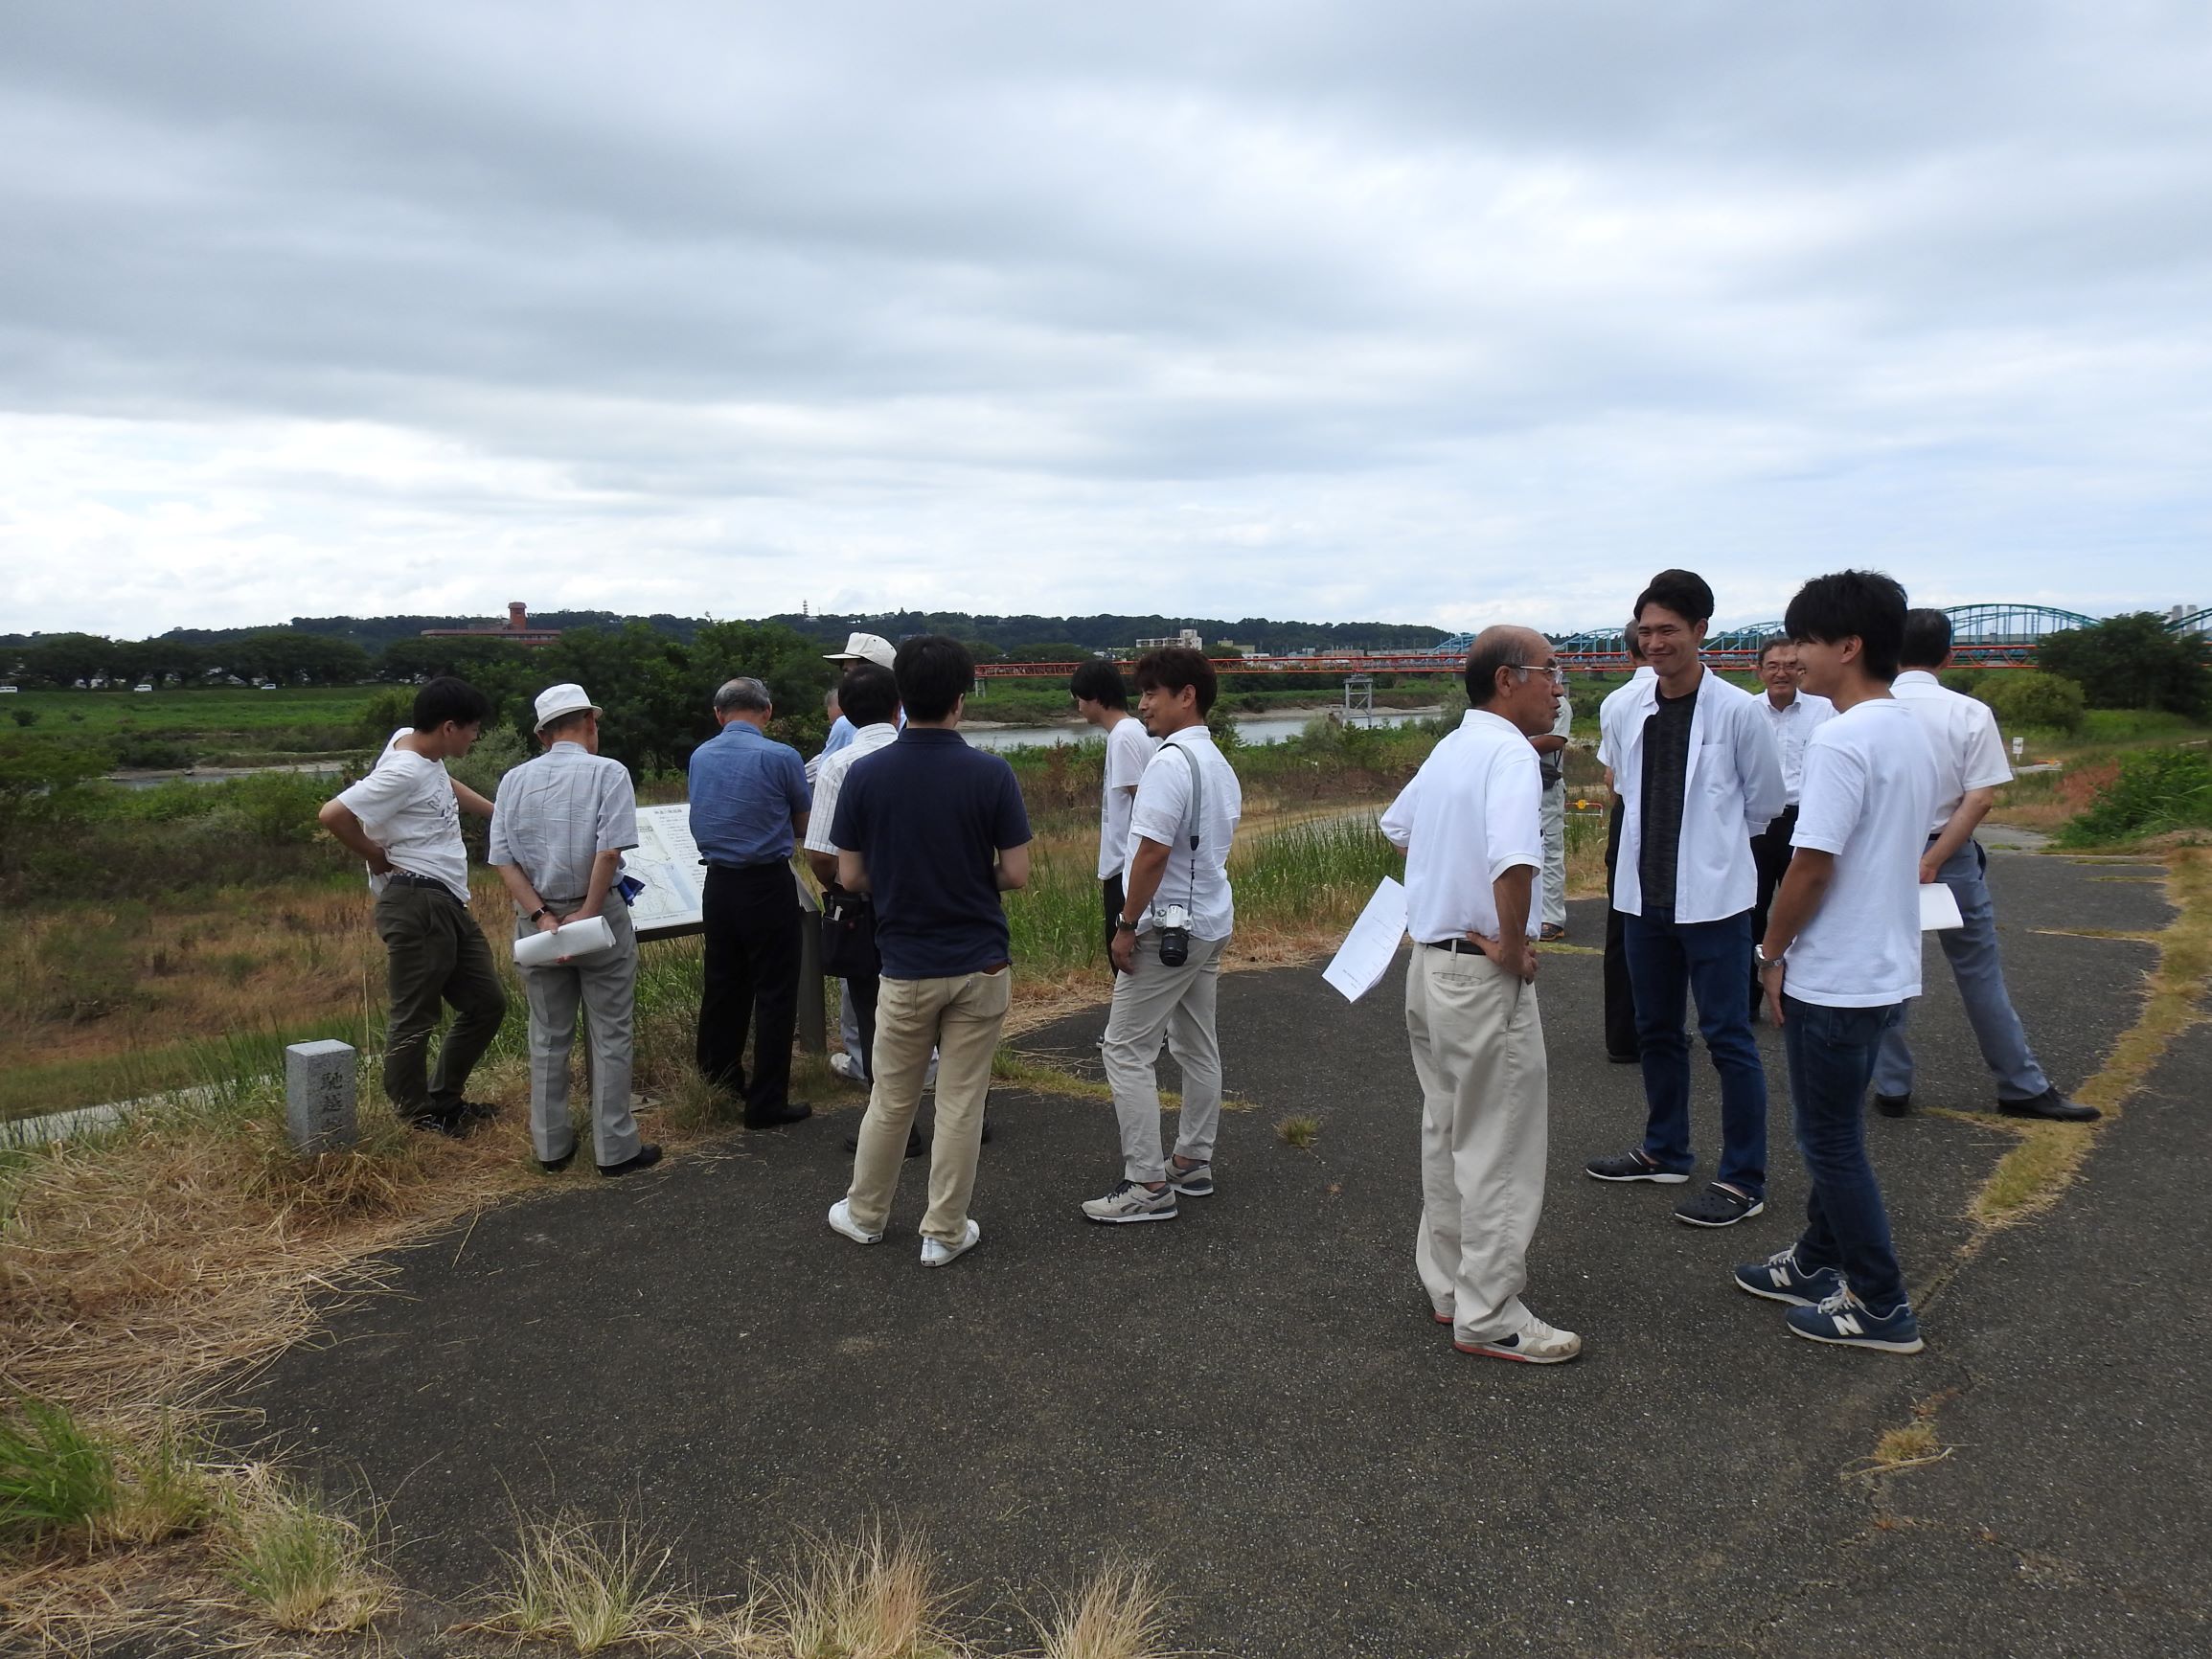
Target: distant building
point(1190, 637)
point(517, 630)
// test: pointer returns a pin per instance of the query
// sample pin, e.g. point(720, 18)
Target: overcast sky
point(1424, 313)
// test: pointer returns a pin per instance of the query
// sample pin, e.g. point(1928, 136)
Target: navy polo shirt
point(930, 815)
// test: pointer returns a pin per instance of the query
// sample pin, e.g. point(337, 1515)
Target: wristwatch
point(541, 910)
point(1123, 924)
point(1759, 955)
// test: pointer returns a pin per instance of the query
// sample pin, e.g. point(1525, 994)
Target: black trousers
point(1620, 999)
point(751, 979)
point(866, 991)
point(1111, 892)
point(1770, 854)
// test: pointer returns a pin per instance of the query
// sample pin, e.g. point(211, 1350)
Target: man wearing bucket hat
point(858, 648)
point(559, 828)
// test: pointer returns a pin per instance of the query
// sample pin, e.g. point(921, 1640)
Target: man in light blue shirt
point(749, 804)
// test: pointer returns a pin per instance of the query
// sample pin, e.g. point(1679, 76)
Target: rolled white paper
point(573, 939)
point(1938, 908)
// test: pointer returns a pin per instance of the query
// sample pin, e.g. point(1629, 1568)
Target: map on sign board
point(667, 860)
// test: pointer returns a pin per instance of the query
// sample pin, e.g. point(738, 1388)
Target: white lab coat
point(1731, 791)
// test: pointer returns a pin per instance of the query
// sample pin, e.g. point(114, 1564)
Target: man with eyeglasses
point(1698, 776)
point(1470, 827)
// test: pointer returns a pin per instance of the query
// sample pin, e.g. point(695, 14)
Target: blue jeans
point(1975, 963)
point(1668, 960)
point(1831, 1054)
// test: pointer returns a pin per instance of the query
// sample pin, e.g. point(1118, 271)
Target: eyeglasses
point(1557, 676)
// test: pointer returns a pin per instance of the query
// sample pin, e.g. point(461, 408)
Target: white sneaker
point(1535, 1343)
point(936, 1254)
point(847, 1067)
point(1133, 1201)
point(841, 1222)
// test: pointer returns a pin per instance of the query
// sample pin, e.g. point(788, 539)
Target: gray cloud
point(1414, 312)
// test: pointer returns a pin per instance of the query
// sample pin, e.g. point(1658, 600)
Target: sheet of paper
point(1938, 908)
point(667, 860)
point(1367, 949)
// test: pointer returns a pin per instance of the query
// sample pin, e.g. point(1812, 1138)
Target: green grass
point(594, 1586)
point(56, 1475)
point(185, 713)
point(304, 1565)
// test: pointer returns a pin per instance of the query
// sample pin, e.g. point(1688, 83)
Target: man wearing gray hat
point(560, 825)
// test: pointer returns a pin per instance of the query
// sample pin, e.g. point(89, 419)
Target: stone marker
point(320, 1082)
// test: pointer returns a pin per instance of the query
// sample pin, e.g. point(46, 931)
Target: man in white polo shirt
point(1698, 777)
point(1177, 913)
point(1969, 759)
point(1842, 954)
point(1793, 715)
point(1470, 827)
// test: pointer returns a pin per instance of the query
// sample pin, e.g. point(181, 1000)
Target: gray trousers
point(1485, 1132)
point(1555, 854)
point(605, 987)
point(1153, 1001)
point(1972, 951)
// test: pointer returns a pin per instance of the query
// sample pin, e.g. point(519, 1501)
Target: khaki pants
point(1478, 1051)
point(605, 987)
point(961, 1018)
point(1151, 1001)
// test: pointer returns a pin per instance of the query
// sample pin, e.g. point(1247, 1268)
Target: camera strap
point(1198, 814)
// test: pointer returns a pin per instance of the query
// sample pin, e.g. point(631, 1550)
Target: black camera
point(1174, 933)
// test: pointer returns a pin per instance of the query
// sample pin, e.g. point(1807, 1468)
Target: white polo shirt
point(1731, 791)
point(1197, 880)
point(1791, 725)
point(406, 806)
point(1128, 747)
point(1471, 813)
point(1962, 733)
point(1869, 778)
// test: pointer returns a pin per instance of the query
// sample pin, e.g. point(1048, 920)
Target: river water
point(1252, 728)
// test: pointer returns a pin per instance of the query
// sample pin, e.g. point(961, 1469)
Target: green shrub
point(2029, 698)
point(2156, 790)
point(1964, 681)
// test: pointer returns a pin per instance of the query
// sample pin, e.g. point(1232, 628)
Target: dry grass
point(593, 1586)
point(1118, 1615)
point(877, 1597)
point(298, 1561)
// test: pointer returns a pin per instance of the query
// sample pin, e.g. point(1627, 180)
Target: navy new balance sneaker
point(1845, 1320)
point(1779, 1279)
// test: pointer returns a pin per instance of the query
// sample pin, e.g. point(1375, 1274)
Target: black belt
point(1457, 946)
point(408, 879)
point(741, 868)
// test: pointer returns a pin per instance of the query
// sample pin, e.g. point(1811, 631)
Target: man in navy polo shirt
point(749, 801)
point(936, 831)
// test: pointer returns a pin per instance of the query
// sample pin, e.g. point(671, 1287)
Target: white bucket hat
point(556, 701)
point(864, 648)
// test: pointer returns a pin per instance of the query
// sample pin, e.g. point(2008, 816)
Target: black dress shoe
point(789, 1112)
point(2052, 1107)
point(553, 1166)
point(1893, 1105)
point(648, 1155)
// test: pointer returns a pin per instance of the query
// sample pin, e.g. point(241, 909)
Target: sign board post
point(673, 904)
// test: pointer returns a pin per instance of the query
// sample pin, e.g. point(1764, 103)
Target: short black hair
point(1172, 668)
point(1100, 682)
point(868, 695)
point(1769, 642)
point(447, 698)
point(1861, 603)
point(934, 672)
point(1684, 592)
point(1483, 661)
point(1927, 639)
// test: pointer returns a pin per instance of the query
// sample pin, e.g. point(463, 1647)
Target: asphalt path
point(1254, 1397)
